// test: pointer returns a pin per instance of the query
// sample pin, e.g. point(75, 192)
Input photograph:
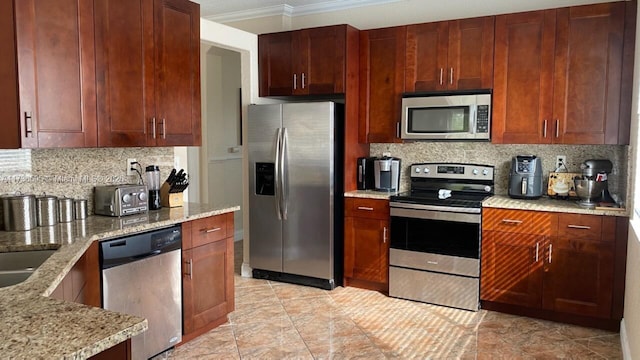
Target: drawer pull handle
point(212, 230)
point(513, 222)
point(432, 262)
point(582, 227)
point(365, 208)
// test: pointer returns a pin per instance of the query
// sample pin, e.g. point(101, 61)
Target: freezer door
point(308, 189)
point(265, 227)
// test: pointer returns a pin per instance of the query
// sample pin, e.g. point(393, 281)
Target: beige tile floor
point(281, 321)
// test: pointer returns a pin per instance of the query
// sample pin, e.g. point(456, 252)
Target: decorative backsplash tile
point(500, 157)
point(75, 172)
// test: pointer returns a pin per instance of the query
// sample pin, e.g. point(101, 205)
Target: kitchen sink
point(16, 267)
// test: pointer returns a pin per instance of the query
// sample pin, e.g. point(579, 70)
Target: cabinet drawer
point(580, 226)
point(518, 221)
point(208, 230)
point(367, 208)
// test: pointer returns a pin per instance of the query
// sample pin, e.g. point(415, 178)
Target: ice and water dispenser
point(265, 179)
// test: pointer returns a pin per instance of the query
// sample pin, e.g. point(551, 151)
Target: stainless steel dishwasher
point(141, 275)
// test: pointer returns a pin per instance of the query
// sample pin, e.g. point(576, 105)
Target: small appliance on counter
point(561, 185)
point(593, 186)
point(386, 171)
point(525, 177)
point(153, 183)
point(365, 175)
point(120, 200)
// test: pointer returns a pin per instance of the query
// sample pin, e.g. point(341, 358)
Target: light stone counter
point(370, 194)
point(33, 326)
point(547, 204)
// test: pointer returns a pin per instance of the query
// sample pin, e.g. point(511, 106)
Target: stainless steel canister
point(47, 210)
point(65, 210)
point(80, 207)
point(19, 212)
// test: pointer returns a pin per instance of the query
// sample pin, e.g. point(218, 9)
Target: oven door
point(436, 232)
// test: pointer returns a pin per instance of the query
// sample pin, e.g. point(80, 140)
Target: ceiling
point(234, 10)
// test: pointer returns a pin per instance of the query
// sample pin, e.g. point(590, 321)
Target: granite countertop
point(32, 325)
point(547, 204)
point(370, 194)
point(505, 202)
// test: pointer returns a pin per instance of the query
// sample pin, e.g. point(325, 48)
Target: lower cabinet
point(568, 267)
point(207, 273)
point(82, 283)
point(366, 244)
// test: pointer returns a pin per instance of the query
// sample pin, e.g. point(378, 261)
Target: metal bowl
point(589, 190)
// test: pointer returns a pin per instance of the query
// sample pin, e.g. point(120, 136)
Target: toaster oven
point(120, 200)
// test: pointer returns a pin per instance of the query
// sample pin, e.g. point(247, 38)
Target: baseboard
point(246, 270)
point(624, 341)
point(238, 235)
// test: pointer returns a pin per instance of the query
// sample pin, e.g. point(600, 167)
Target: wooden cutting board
point(556, 177)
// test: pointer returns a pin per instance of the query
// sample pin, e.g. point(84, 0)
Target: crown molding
point(292, 11)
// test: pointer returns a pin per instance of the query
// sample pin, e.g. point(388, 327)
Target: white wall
point(401, 13)
point(247, 45)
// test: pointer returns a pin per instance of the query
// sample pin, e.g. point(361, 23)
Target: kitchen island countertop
point(33, 325)
point(370, 194)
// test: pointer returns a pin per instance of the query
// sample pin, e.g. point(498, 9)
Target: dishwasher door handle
point(142, 256)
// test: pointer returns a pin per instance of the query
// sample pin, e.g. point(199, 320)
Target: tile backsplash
point(500, 157)
point(74, 172)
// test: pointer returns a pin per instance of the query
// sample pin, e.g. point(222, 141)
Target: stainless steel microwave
point(462, 116)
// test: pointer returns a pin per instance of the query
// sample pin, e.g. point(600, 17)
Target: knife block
point(168, 199)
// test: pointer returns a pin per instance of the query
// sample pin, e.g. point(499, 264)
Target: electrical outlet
point(561, 161)
point(386, 154)
point(130, 164)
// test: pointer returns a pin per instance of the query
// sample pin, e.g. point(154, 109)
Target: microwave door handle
point(473, 114)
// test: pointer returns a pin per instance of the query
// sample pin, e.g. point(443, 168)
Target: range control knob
point(426, 170)
point(485, 172)
point(475, 171)
point(126, 198)
point(142, 196)
point(417, 170)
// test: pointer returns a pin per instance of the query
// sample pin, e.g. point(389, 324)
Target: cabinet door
point(580, 265)
point(319, 60)
point(426, 57)
point(523, 77)
point(381, 83)
point(10, 137)
point(367, 249)
point(207, 283)
point(276, 66)
point(125, 71)
point(512, 268)
point(177, 56)
point(470, 54)
point(56, 71)
point(588, 71)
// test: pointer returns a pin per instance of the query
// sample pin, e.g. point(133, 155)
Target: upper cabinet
point(100, 73)
point(450, 55)
point(48, 74)
point(558, 76)
point(382, 53)
point(304, 62)
point(148, 72)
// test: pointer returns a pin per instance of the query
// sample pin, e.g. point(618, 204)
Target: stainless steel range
point(436, 234)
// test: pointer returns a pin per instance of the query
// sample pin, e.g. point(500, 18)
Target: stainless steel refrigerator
point(296, 192)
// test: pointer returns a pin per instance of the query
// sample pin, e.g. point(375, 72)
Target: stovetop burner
point(448, 185)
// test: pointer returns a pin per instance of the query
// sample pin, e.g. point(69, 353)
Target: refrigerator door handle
point(277, 174)
point(283, 175)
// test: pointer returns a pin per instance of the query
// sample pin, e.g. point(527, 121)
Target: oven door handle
point(436, 215)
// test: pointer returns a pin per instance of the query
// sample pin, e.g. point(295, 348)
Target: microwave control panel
point(482, 120)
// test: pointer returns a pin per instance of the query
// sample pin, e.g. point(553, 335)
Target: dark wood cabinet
point(366, 258)
point(558, 76)
point(207, 281)
point(304, 62)
point(450, 55)
point(148, 72)
point(555, 262)
point(48, 75)
point(382, 56)
point(580, 266)
point(82, 282)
